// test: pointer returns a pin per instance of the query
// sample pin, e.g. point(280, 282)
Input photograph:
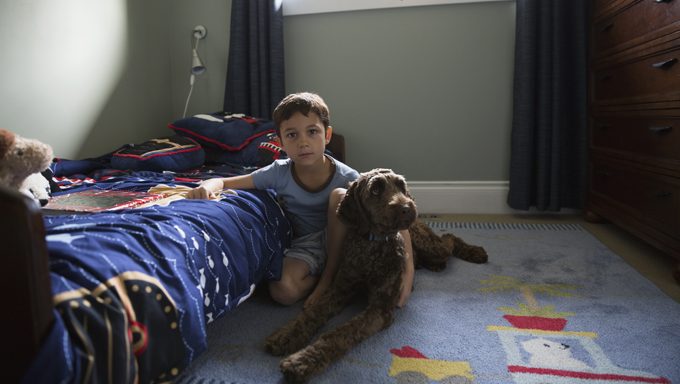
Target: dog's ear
point(350, 209)
point(400, 183)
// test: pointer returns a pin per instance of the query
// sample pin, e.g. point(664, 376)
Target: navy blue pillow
point(259, 152)
point(176, 153)
point(228, 138)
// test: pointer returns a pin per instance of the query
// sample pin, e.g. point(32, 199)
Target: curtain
point(255, 71)
point(549, 140)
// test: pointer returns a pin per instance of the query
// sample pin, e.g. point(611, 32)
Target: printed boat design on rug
point(539, 350)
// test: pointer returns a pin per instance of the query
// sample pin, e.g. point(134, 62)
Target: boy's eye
point(290, 135)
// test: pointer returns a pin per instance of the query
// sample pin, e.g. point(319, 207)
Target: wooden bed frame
point(27, 281)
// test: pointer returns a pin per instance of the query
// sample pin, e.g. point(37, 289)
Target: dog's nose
point(407, 214)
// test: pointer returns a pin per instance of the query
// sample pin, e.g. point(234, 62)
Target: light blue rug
point(553, 305)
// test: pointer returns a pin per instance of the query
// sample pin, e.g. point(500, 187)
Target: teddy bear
point(21, 162)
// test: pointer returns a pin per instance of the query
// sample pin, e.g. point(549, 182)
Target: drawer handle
point(607, 27)
point(663, 195)
point(665, 64)
point(661, 129)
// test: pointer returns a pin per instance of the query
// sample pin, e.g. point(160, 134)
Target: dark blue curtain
point(549, 143)
point(255, 72)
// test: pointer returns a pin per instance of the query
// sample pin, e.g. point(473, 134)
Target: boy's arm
point(335, 235)
point(409, 270)
point(211, 187)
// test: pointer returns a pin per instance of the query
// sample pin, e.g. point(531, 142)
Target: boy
point(310, 185)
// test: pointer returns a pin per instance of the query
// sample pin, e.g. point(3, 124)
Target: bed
point(127, 295)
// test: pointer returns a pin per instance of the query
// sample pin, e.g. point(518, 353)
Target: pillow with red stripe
point(229, 138)
point(175, 153)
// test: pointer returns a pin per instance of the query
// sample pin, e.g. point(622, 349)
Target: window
point(302, 7)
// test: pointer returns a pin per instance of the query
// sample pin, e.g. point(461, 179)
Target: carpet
point(553, 305)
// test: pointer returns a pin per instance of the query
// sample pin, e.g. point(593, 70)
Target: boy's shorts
point(311, 249)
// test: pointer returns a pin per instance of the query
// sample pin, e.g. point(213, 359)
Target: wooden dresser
point(635, 119)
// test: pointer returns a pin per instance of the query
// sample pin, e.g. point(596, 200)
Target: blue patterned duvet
point(135, 289)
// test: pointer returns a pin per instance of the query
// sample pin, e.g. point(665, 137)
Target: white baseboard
point(461, 197)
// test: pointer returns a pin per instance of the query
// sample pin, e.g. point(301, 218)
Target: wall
point(208, 93)
point(84, 76)
point(88, 76)
point(426, 91)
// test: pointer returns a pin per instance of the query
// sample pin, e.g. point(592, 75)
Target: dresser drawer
point(644, 79)
point(635, 21)
point(601, 7)
point(649, 197)
point(656, 137)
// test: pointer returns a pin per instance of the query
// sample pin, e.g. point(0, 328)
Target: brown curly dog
point(376, 207)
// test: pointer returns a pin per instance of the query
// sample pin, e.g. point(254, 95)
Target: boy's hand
point(199, 193)
point(316, 293)
point(206, 190)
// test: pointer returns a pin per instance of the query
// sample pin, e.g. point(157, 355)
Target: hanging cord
point(192, 80)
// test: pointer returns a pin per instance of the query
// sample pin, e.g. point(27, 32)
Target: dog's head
point(378, 202)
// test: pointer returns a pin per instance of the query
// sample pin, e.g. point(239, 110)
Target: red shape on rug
point(407, 351)
point(587, 375)
point(536, 322)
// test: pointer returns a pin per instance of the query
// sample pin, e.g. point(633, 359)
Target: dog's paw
point(435, 266)
point(474, 254)
point(282, 343)
point(299, 367)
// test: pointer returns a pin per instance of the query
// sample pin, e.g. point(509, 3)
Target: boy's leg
point(296, 282)
point(335, 235)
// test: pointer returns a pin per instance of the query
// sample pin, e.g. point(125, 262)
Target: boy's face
point(303, 138)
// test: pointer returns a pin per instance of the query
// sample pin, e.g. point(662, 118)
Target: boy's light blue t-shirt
point(306, 210)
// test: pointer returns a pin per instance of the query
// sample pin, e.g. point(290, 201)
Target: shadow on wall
point(138, 106)
point(67, 58)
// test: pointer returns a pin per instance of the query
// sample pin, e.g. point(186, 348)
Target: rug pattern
point(553, 305)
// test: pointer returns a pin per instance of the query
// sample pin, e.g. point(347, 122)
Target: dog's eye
point(377, 187)
point(20, 152)
point(401, 184)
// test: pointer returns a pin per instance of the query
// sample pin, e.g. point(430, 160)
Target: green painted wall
point(426, 91)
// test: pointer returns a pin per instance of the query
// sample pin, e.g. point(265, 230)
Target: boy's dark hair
point(303, 102)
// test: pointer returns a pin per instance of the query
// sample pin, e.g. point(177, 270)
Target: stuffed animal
point(21, 158)
point(37, 187)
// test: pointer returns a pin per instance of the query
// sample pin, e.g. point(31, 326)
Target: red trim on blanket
point(586, 375)
point(187, 179)
point(143, 158)
point(218, 143)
